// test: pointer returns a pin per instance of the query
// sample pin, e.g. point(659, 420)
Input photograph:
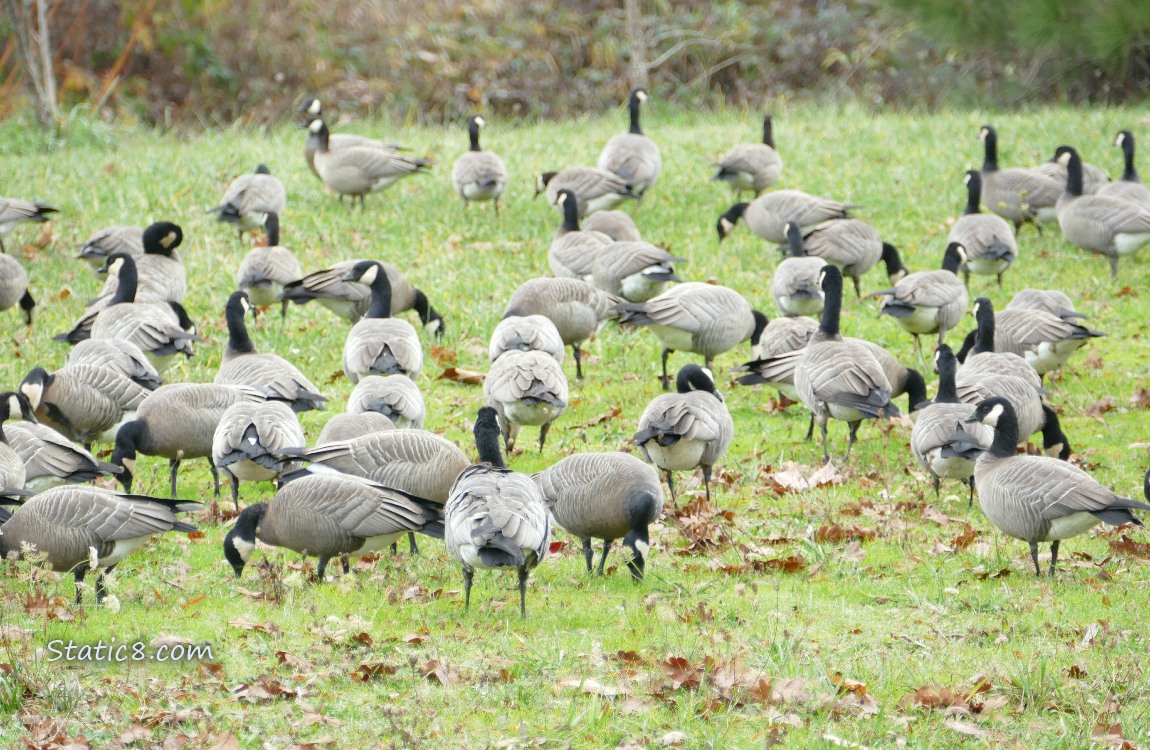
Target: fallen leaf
point(443, 355)
point(1129, 547)
point(965, 727)
point(459, 375)
point(366, 672)
point(441, 672)
point(594, 687)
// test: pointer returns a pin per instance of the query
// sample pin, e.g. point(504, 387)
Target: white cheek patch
point(726, 225)
point(642, 96)
point(130, 464)
point(245, 304)
point(13, 406)
point(245, 548)
point(169, 238)
point(314, 107)
point(992, 416)
point(369, 275)
point(315, 126)
point(643, 547)
point(34, 392)
point(480, 121)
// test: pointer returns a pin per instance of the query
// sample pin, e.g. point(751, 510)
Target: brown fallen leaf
point(366, 672)
point(1129, 547)
point(459, 375)
point(441, 672)
point(268, 627)
point(605, 416)
point(594, 687)
point(443, 355)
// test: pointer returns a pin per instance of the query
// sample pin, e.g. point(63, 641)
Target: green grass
point(908, 614)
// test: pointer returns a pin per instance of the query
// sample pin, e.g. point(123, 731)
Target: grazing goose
point(106, 242)
point(1045, 341)
point(250, 198)
point(1100, 224)
point(350, 301)
point(1017, 195)
point(526, 333)
point(249, 441)
point(770, 364)
point(632, 155)
point(1036, 498)
point(987, 239)
point(575, 307)
point(795, 284)
point(840, 378)
point(1047, 300)
point(688, 429)
point(751, 166)
point(351, 426)
point(266, 270)
point(855, 247)
point(177, 422)
point(1093, 178)
point(635, 271)
point(706, 319)
point(118, 355)
point(767, 215)
point(1130, 187)
point(395, 397)
point(78, 528)
point(84, 403)
point(573, 251)
point(14, 288)
point(604, 496)
point(270, 374)
point(929, 301)
point(14, 211)
point(495, 518)
point(336, 141)
point(525, 388)
point(160, 274)
point(379, 344)
point(940, 442)
point(47, 458)
point(478, 175)
point(356, 171)
point(595, 189)
point(330, 516)
point(617, 225)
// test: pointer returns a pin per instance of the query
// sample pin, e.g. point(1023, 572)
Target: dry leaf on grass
point(459, 375)
point(594, 687)
point(795, 477)
point(441, 672)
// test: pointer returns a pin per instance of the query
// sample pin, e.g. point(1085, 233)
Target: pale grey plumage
point(752, 166)
point(50, 459)
point(118, 355)
point(987, 239)
point(635, 271)
point(572, 254)
point(1016, 194)
point(350, 300)
point(525, 388)
point(1044, 340)
point(632, 155)
point(357, 171)
point(478, 175)
point(395, 397)
point(85, 403)
point(526, 333)
point(617, 225)
point(106, 242)
point(250, 198)
point(350, 426)
point(595, 189)
point(338, 141)
point(575, 307)
point(251, 439)
point(767, 215)
point(14, 287)
point(1047, 300)
point(382, 346)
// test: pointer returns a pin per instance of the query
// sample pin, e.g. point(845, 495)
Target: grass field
point(863, 611)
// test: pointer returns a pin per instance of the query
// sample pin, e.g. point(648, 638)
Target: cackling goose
point(118, 355)
point(751, 166)
point(767, 215)
point(595, 189)
point(478, 175)
point(14, 211)
point(635, 271)
point(395, 397)
point(796, 281)
point(632, 155)
point(357, 171)
point(573, 251)
point(525, 388)
point(1130, 187)
point(336, 141)
point(265, 270)
point(14, 288)
point(929, 301)
point(249, 441)
point(105, 242)
point(526, 333)
point(1017, 195)
point(250, 198)
point(855, 247)
point(987, 239)
point(85, 403)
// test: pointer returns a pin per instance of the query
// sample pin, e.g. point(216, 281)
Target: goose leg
point(523, 591)
point(468, 574)
point(101, 594)
point(823, 428)
point(345, 563)
point(810, 428)
point(603, 559)
point(966, 276)
point(578, 361)
point(970, 503)
point(936, 488)
point(851, 439)
point(1034, 557)
point(216, 480)
point(173, 470)
point(1000, 280)
point(321, 569)
point(26, 305)
point(412, 547)
point(543, 435)
point(1054, 555)
point(666, 380)
point(858, 292)
point(78, 573)
point(235, 485)
point(1113, 266)
point(283, 314)
point(588, 553)
point(671, 485)
point(707, 482)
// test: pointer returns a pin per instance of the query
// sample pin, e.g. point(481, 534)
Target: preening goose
point(635, 271)
point(751, 166)
point(632, 155)
point(249, 442)
point(706, 319)
point(855, 247)
point(106, 242)
point(796, 281)
point(336, 141)
point(987, 239)
point(265, 270)
point(118, 355)
point(14, 211)
point(575, 307)
point(595, 189)
point(929, 301)
point(351, 426)
point(1017, 195)
point(395, 397)
point(1130, 187)
point(1100, 224)
point(573, 251)
point(14, 288)
point(84, 403)
point(495, 518)
point(526, 333)
point(767, 215)
point(688, 429)
point(48, 458)
point(1036, 498)
point(78, 528)
point(250, 198)
point(604, 496)
point(270, 374)
point(478, 175)
point(356, 171)
point(525, 388)
point(617, 225)
point(379, 344)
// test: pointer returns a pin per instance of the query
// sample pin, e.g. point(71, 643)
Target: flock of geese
point(375, 475)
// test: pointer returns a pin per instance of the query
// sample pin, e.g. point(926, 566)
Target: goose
point(350, 301)
point(118, 355)
point(575, 307)
point(984, 356)
point(266, 270)
point(47, 458)
point(177, 422)
point(84, 403)
point(1130, 187)
point(349, 426)
point(987, 239)
point(751, 166)
point(595, 189)
point(494, 517)
point(617, 225)
point(160, 274)
point(395, 397)
point(929, 301)
point(14, 211)
point(839, 378)
point(767, 215)
point(478, 175)
point(573, 251)
point(526, 333)
point(525, 388)
point(270, 374)
point(1036, 498)
point(337, 141)
point(379, 344)
point(330, 516)
point(1045, 341)
point(604, 496)
point(110, 240)
point(78, 528)
point(769, 364)
point(855, 247)
point(250, 198)
point(1100, 224)
point(688, 429)
point(632, 155)
point(1094, 178)
point(795, 284)
point(706, 319)
point(940, 442)
point(249, 440)
point(635, 271)
point(14, 288)
point(1017, 195)
point(13, 473)
point(357, 171)
point(1047, 300)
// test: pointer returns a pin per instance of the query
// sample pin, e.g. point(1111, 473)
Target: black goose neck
point(795, 241)
point(239, 342)
point(473, 134)
point(951, 260)
point(127, 281)
point(272, 226)
point(1074, 173)
point(248, 521)
point(768, 134)
point(634, 106)
point(761, 323)
point(380, 295)
point(131, 438)
point(973, 192)
point(1129, 173)
point(984, 334)
point(947, 370)
point(990, 146)
point(1005, 432)
point(487, 438)
point(832, 302)
point(570, 212)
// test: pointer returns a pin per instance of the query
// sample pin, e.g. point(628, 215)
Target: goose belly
point(987, 266)
point(122, 549)
point(343, 308)
point(250, 471)
point(740, 180)
point(606, 202)
point(800, 305)
point(675, 339)
point(42, 483)
point(684, 455)
point(531, 414)
point(1128, 243)
point(264, 293)
point(1049, 356)
point(638, 287)
point(922, 320)
point(377, 544)
point(1070, 526)
point(473, 191)
point(845, 413)
point(384, 183)
point(950, 468)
